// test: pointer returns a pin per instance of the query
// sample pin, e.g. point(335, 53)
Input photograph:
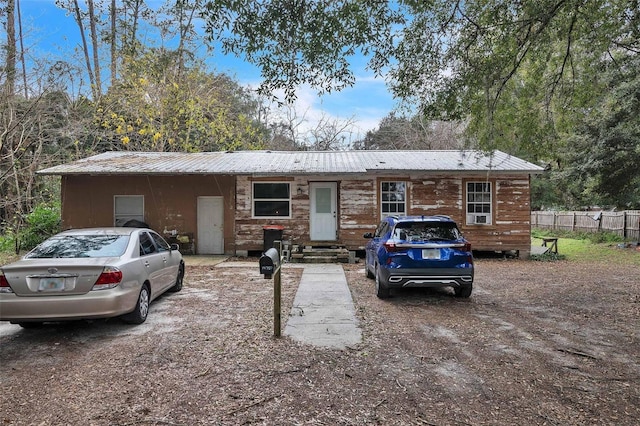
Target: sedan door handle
point(146, 263)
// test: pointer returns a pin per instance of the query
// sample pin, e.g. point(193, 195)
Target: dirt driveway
point(536, 344)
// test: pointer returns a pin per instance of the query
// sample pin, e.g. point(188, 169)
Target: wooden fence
point(624, 223)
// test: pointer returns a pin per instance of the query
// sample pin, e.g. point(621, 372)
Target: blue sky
point(49, 32)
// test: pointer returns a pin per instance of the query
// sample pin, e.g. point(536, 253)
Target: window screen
point(271, 199)
point(128, 207)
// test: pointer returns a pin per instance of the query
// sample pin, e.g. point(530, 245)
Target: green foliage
point(547, 257)
point(605, 149)
point(311, 42)
point(41, 223)
point(7, 242)
point(520, 69)
point(158, 106)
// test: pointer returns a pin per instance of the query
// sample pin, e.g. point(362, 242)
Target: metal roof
point(293, 162)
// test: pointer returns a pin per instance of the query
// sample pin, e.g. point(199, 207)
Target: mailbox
point(269, 262)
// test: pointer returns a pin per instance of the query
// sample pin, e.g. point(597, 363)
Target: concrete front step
point(323, 255)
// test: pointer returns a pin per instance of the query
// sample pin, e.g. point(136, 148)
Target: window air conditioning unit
point(479, 219)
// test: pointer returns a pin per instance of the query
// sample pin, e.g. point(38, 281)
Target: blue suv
point(419, 251)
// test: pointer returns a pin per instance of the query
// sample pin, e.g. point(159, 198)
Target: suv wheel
point(367, 272)
point(382, 291)
point(463, 291)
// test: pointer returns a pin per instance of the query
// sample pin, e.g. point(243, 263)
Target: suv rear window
point(426, 231)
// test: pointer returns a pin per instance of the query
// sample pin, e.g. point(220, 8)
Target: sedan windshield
point(70, 246)
point(424, 231)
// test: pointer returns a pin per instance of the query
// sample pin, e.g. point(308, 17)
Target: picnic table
point(551, 243)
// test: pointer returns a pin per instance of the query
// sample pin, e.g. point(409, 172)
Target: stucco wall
point(170, 202)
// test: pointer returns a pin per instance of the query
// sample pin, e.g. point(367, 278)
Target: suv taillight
point(109, 278)
point(391, 247)
point(467, 248)
point(4, 284)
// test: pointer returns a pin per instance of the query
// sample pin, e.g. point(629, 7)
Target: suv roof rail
point(421, 216)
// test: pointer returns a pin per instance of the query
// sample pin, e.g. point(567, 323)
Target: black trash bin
point(271, 233)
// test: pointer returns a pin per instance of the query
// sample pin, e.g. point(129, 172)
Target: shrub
point(42, 222)
point(547, 257)
point(7, 242)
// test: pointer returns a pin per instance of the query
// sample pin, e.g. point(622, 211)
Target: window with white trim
point(479, 210)
point(271, 199)
point(126, 208)
point(392, 198)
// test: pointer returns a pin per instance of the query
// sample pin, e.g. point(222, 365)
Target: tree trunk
point(95, 46)
point(113, 41)
point(10, 66)
point(22, 60)
point(85, 48)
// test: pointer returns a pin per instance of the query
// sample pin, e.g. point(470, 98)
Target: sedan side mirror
point(175, 247)
point(368, 235)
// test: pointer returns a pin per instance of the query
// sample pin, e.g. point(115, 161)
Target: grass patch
point(594, 237)
point(583, 250)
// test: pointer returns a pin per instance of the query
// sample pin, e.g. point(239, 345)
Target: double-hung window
point(128, 207)
point(479, 202)
point(393, 197)
point(271, 199)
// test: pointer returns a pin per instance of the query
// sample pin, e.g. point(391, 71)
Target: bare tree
point(10, 61)
point(293, 130)
point(85, 48)
point(414, 133)
point(95, 47)
point(113, 39)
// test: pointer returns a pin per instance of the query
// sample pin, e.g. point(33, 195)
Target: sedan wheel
point(382, 291)
point(139, 314)
point(178, 285)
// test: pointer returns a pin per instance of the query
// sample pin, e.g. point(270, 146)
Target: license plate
point(51, 284)
point(431, 253)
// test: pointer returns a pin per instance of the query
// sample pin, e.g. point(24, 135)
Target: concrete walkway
point(323, 314)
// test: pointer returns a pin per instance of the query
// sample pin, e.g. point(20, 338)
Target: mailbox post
point(270, 266)
point(269, 262)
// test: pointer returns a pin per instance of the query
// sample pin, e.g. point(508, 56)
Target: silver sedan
point(90, 273)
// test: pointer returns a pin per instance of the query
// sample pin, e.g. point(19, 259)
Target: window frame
point(126, 216)
point(481, 202)
point(383, 202)
point(254, 199)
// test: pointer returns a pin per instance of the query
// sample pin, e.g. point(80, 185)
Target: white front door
point(323, 217)
point(210, 225)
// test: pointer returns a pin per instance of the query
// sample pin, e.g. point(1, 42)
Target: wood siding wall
point(359, 212)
